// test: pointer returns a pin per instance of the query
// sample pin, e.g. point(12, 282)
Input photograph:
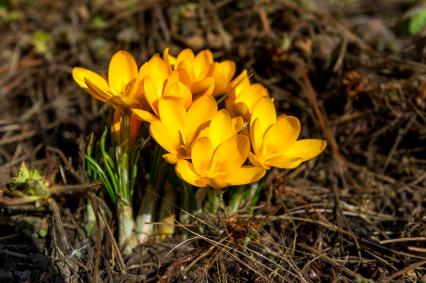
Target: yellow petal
point(121, 103)
point(171, 112)
point(231, 154)
point(122, 70)
point(241, 109)
point(169, 59)
point(167, 132)
point(200, 112)
point(179, 75)
point(144, 115)
point(236, 100)
point(137, 91)
point(237, 124)
point(181, 91)
point(159, 72)
point(264, 110)
point(221, 128)
point(241, 80)
point(244, 175)
point(101, 92)
point(256, 136)
point(185, 55)
point(203, 131)
point(227, 69)
point(306, 149)
point(251, 95)
point(184, 77)
point(185, 170)
point(217, 183)
point(208, 91)
point(79, 74)
point(151, 93)
point(201, 155)
point(283, 162)
point(170, 157)
point(223, 73)
point(202, 85)
point(202, 63)
point(157, 68)
point(281, 136)
point(256, 162)
point(188, 67)
point(116, 126)
point(167, 138)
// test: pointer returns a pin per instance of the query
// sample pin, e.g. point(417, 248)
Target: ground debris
point(347, 69)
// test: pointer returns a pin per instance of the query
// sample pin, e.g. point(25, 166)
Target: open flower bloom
point(244, 96)
point(159, 81)
point(274, 140)
point(178, 128)
point(202, 74)
point(194, 69)
point(218, 157)
point(122, 90)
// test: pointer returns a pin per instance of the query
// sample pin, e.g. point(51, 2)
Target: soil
point(352, 71)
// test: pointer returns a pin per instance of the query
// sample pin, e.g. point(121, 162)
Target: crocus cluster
point(210, 143)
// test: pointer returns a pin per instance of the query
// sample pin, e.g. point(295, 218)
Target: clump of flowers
point(209, 143)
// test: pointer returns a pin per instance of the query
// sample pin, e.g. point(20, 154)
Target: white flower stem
point(126, 223)
point(127, 239)
point(144, 227)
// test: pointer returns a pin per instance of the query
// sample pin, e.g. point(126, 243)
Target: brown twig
point(163, 25)
point(120, 259)
point(401, 133)
point(391, 241)
point(264, 20)
point(331, 261)
point(404, 270)
point(17, 138)
point(312, 97)
point(67, 164)
point(341, 166)
point(59, 224)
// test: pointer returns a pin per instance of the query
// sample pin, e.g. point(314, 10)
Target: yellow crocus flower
point(159, 81)
point(177, 127)
point(122, 89)
point(218, 157)
point(244, 96)
point(274, 140)
point(202, 74)
point(194, 69)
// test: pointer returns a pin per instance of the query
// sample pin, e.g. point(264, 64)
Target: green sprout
point(29, 182)
point(417, 22)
